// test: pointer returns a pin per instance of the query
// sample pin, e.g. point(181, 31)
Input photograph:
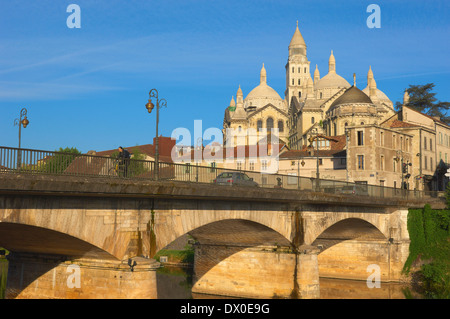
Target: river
point(176, 283)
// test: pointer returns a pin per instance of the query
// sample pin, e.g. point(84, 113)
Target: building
point(326, 155)
point(430, 146)
point(246, 121)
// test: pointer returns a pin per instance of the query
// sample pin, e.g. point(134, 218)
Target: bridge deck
point(26, 184)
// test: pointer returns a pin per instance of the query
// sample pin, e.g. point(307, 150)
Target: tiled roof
point(165, 149)
point(246, 151)
point(306, 153)
point(400, 124)
point(337, 149)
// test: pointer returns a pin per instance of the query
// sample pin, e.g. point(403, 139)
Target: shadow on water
point(176, 283)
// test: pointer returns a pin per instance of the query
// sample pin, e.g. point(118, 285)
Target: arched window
point(298, 81)
point(269, 124)
point(320, 95)
point(312, 120)
point(299, 94)
point(259, 125)
point(280, 126)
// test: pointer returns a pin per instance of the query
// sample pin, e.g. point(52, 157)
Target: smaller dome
point(263, 94)
point(263, 91)
point(380, 95)
point(352, 96)
point(332, 80)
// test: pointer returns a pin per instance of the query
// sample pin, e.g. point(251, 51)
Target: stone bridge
point(74, 237)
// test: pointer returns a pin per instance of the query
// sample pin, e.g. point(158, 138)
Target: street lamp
point(159, 103)
point(311, 139)
point(404, 167)
point(21, 121)
point(298, 171)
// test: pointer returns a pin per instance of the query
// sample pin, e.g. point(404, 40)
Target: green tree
point(430, 242)
point(423, 99)
point(60, 160)
point(137, 165)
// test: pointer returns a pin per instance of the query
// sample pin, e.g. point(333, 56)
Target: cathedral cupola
point(297, 45)
point(331, 63)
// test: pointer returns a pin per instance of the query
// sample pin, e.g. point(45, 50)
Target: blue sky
point(87, 87)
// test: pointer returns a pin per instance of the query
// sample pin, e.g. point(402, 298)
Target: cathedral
point(312, 105)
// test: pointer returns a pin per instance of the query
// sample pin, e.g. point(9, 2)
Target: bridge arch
point(317, 224)
point(95, 226)
point(18, 238)
point(170, 225)
point(348, 229)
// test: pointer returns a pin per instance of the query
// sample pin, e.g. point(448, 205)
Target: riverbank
point(3, 272)
point(428, 264)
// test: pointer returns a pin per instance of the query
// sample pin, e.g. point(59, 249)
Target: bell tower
point(297, 68)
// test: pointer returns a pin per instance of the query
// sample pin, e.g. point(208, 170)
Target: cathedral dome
point(263, 91)
point(351, 102)
point(263, 94)
point(332, 80)
point(352, 96)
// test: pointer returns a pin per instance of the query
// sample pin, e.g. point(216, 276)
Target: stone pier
point(256, 272)
point(32, 276)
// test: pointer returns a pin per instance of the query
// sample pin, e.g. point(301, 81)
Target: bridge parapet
point(56, 164)
point(106, 187)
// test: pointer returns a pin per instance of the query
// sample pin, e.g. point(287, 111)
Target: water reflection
point(176, 283)
point(3, 273)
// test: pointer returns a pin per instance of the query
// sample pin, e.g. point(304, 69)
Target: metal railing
point(28, 161)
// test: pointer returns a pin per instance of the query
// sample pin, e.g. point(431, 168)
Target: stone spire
point(297, 46)
point(297, 39)
point(369, 76)
point(316, 74)
point(406, 97)
point(263, 76)
point(373, 89)
point(332, 63)
point(232, 102)
point(239, 96)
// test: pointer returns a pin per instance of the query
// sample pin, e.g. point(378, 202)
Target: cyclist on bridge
point(124, 159)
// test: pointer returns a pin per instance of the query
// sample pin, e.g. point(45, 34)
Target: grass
point(430, 245)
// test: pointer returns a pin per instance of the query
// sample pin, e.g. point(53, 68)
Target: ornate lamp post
point(311, 139)
point(159, 103)
point(21, 121)
point(298, 171)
